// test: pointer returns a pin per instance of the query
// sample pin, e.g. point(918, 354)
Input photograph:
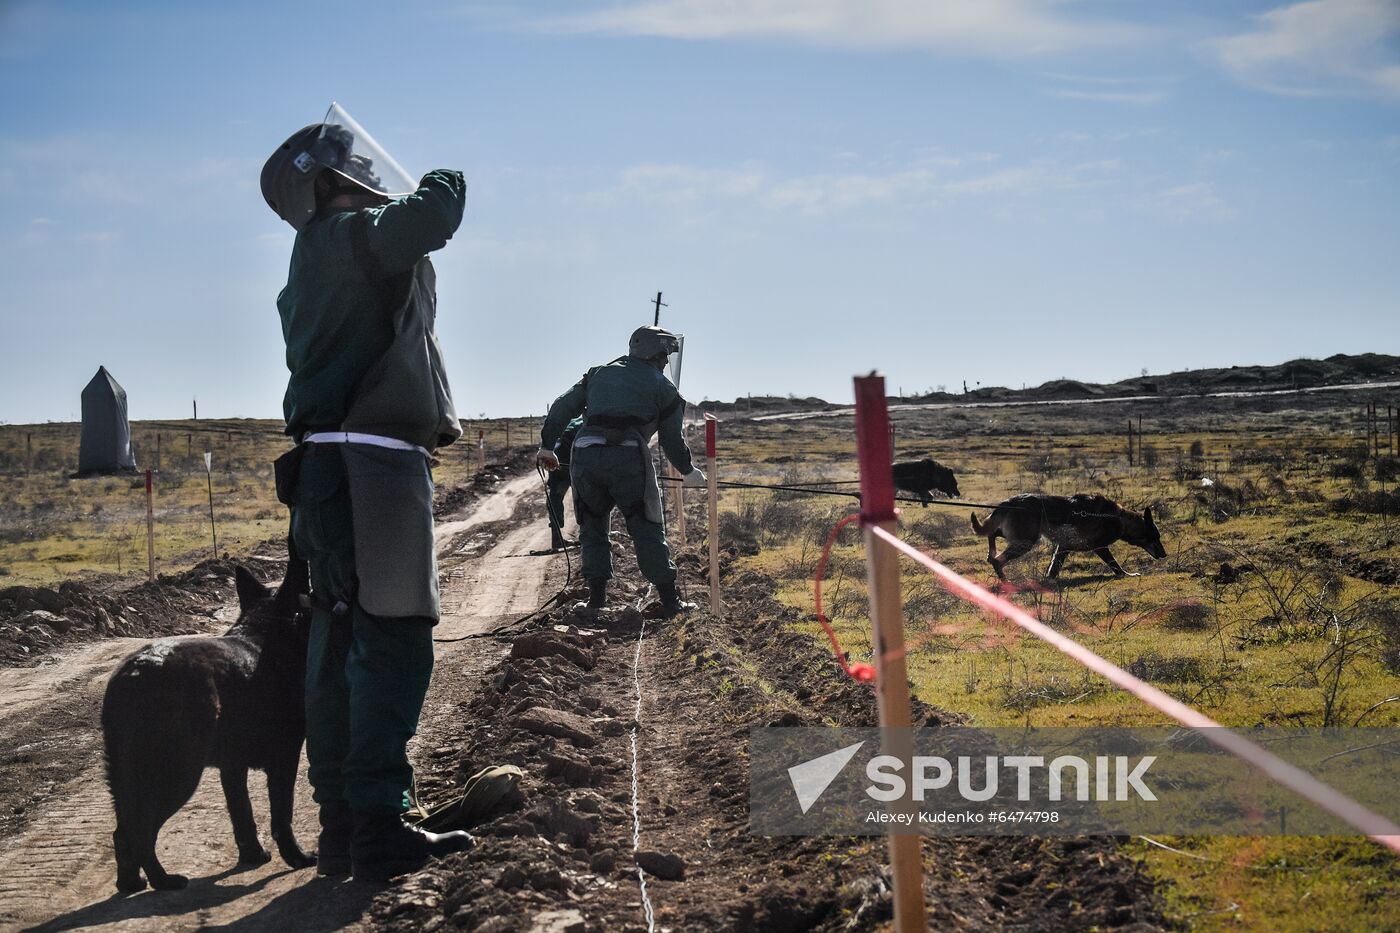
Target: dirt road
point(56, 869)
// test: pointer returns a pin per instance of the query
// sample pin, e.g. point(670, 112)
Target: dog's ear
point(1147, 516)
point(295, 584)
point(250, 589)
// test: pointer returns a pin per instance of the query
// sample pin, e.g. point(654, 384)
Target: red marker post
point(712, 480)
point(887, 617)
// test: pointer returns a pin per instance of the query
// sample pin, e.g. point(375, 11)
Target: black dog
point(1074, 523)
point(233, 702)
point(920, 477)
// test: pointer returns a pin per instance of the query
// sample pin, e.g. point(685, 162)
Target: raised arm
point(404, 231)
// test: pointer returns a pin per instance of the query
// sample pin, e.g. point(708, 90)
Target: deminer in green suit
point(367, 403)
point(624, 403)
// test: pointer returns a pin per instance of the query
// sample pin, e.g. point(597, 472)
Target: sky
point(997, 191)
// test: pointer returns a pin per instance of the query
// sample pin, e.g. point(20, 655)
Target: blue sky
point(1001, 191)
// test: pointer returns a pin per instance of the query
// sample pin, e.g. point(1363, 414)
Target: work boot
point(333, 848)
point(597, 593)
point(671, 602)
point(384, 846)
point(557, 541)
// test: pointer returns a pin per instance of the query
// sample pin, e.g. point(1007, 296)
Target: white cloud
point(1111, 97)
point(1319, 47)
point(816, 194)
point(689, 184)
point(993, 28)
point(1180, 203)
point(926, 180)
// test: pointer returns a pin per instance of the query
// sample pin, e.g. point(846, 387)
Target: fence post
point(480, 449)
point(887, 616)
point(150, 528)
point(712, 481)
point(209, 481)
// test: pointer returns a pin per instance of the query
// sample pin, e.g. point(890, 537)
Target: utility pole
point(656, 321)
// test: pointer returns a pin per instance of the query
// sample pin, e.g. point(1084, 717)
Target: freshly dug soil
point(560, 856)
point(36, 620)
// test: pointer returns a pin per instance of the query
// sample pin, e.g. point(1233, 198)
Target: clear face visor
point(347, 149)
point(673, 363)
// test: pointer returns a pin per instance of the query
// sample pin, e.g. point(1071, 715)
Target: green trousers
point(366, 675)
point(556, 485)
point(605, 478)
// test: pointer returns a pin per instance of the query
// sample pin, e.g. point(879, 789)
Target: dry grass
point(55, 527)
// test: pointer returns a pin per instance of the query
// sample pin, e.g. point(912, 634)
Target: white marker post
point(150, 528)
point(209, 481)
point(480, 450)
point(712, 480)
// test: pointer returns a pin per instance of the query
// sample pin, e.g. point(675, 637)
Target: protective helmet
point(337, 143)
point(648, 342)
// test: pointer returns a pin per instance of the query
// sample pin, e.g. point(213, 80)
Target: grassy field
point(1276, 604)
point(55, 527)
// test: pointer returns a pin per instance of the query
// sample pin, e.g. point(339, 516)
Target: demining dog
point(921, 477)
point(233, 701)
point(1073, 523)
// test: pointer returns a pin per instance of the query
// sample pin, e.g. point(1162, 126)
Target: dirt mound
point(35, 620)
point(560, 705)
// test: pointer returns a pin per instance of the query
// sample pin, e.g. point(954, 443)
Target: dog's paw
point(170, 883)
point(258, 856)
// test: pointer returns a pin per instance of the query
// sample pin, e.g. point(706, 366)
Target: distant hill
point(1340, 369)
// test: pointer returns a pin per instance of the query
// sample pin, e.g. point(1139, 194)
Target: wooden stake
point(507, 438)
point(887, 616)
point(480, 449)
point(150, 528)
point(1130, 442)
point(713, 482)
point(158, 450)
point(209, 481)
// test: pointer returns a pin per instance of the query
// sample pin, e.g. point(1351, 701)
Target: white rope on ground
point(637, 727)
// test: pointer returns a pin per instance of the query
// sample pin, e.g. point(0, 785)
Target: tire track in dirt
point(58, 873)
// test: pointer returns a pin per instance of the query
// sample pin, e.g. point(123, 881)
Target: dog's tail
point(983, 530)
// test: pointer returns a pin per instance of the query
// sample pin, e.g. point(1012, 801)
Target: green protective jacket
point(564, 447)
point(626, 391)
point(358, 316)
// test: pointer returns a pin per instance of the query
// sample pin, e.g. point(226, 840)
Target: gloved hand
point(695, 478)
point(546, 459)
